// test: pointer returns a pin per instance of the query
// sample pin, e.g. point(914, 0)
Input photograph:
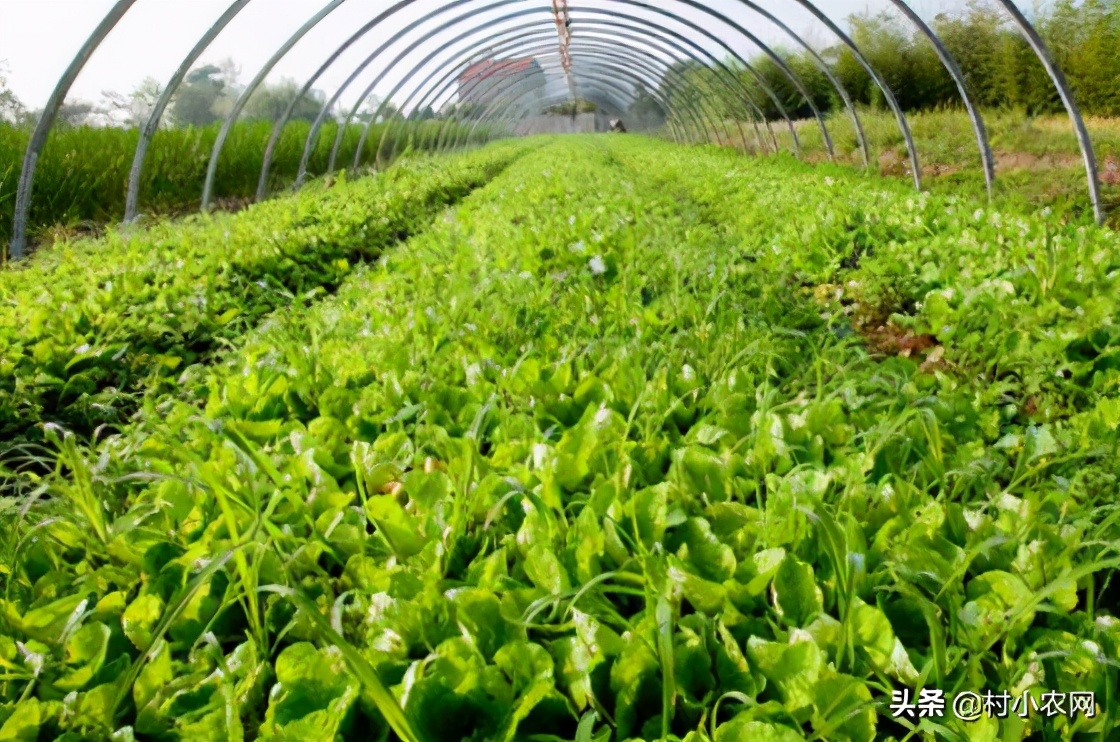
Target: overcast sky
point(38, 38)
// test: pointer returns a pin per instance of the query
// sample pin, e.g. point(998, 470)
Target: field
point(1037, 159)
point(591, 438)
point(79, 195)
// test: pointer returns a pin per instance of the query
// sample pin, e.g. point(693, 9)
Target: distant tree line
point(206, 96)
point(1001, 69)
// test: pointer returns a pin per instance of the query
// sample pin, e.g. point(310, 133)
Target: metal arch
point(645, 72)
point(442, 86)
point(602, 85)
point(822, 65)
point(593, 87)
point(510, 105)
point(657, 41)
point(769, 91)
point(613, 21)
point(315, 128)
point(611, 25)
point(785, 69)
point(1038, 46)
point(582, 88)
point(319, 120)
point(704, 32)
point(282, 121)
point(719, 42)
point(903, 123)
point(746, 96)
point(278, 128)
point(314, 132)
point(132, 199)
point(46, 122)
point(950, 64)
point(589, 51)
point(212, 167)
point(428, 59)
point(603, 54)
point(1068, 98)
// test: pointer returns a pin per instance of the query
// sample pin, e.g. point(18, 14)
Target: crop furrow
point(600, 454)
point(80, 344)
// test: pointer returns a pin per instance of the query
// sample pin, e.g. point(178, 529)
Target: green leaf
point(667, 654)
point(85, 654)
point(529, 667)
point(995, 597)
point(844, 710)
point(702, 472)
point(314, 696)
point(479, 615)
point(47, 622)
point(140, 619)
point(793, 669)
point(743, 727)
point(384, 700)
point(545, 570)
point(650, 510)
point(701, 549)
point(590, 543)
point(401, 530)
point(635, 683)
point(705, 596)
point(24, 723)
point(797, 599)
point(874, 634)
point(732, 668)
point(156, 674)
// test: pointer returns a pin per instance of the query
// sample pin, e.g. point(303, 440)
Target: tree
point(425, 114)
point(194, 102)
point(11, 109)
point(374, 107)
point(207, 94)
point(134, 109)
point(645, 112)
point(143, 101)
point(270, 101)
point(76, 113)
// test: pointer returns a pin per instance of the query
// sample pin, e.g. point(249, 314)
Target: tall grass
point(1037, 157)
point(82, 175)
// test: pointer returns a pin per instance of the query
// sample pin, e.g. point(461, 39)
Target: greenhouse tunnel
point(552, 370)
point(416, 55)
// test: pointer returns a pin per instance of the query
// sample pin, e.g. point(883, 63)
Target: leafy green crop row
point(637, 443)
point(86, 325)
point(90, 188)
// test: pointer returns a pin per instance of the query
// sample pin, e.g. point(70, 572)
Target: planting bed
point(633, 441)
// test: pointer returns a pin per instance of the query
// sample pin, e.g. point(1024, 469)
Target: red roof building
point(485, 81)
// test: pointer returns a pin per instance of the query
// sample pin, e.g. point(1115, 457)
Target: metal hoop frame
point(419, 42)
point(112, 18)
point(653, 74)
point(312, 135)
point(483, 42)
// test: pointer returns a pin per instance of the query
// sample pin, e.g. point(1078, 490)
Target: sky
point(39, 38)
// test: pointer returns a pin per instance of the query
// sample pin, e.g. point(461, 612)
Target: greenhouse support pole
point(950, 64)
point(46, 122)
point(132, 200)
point(1058, 77)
